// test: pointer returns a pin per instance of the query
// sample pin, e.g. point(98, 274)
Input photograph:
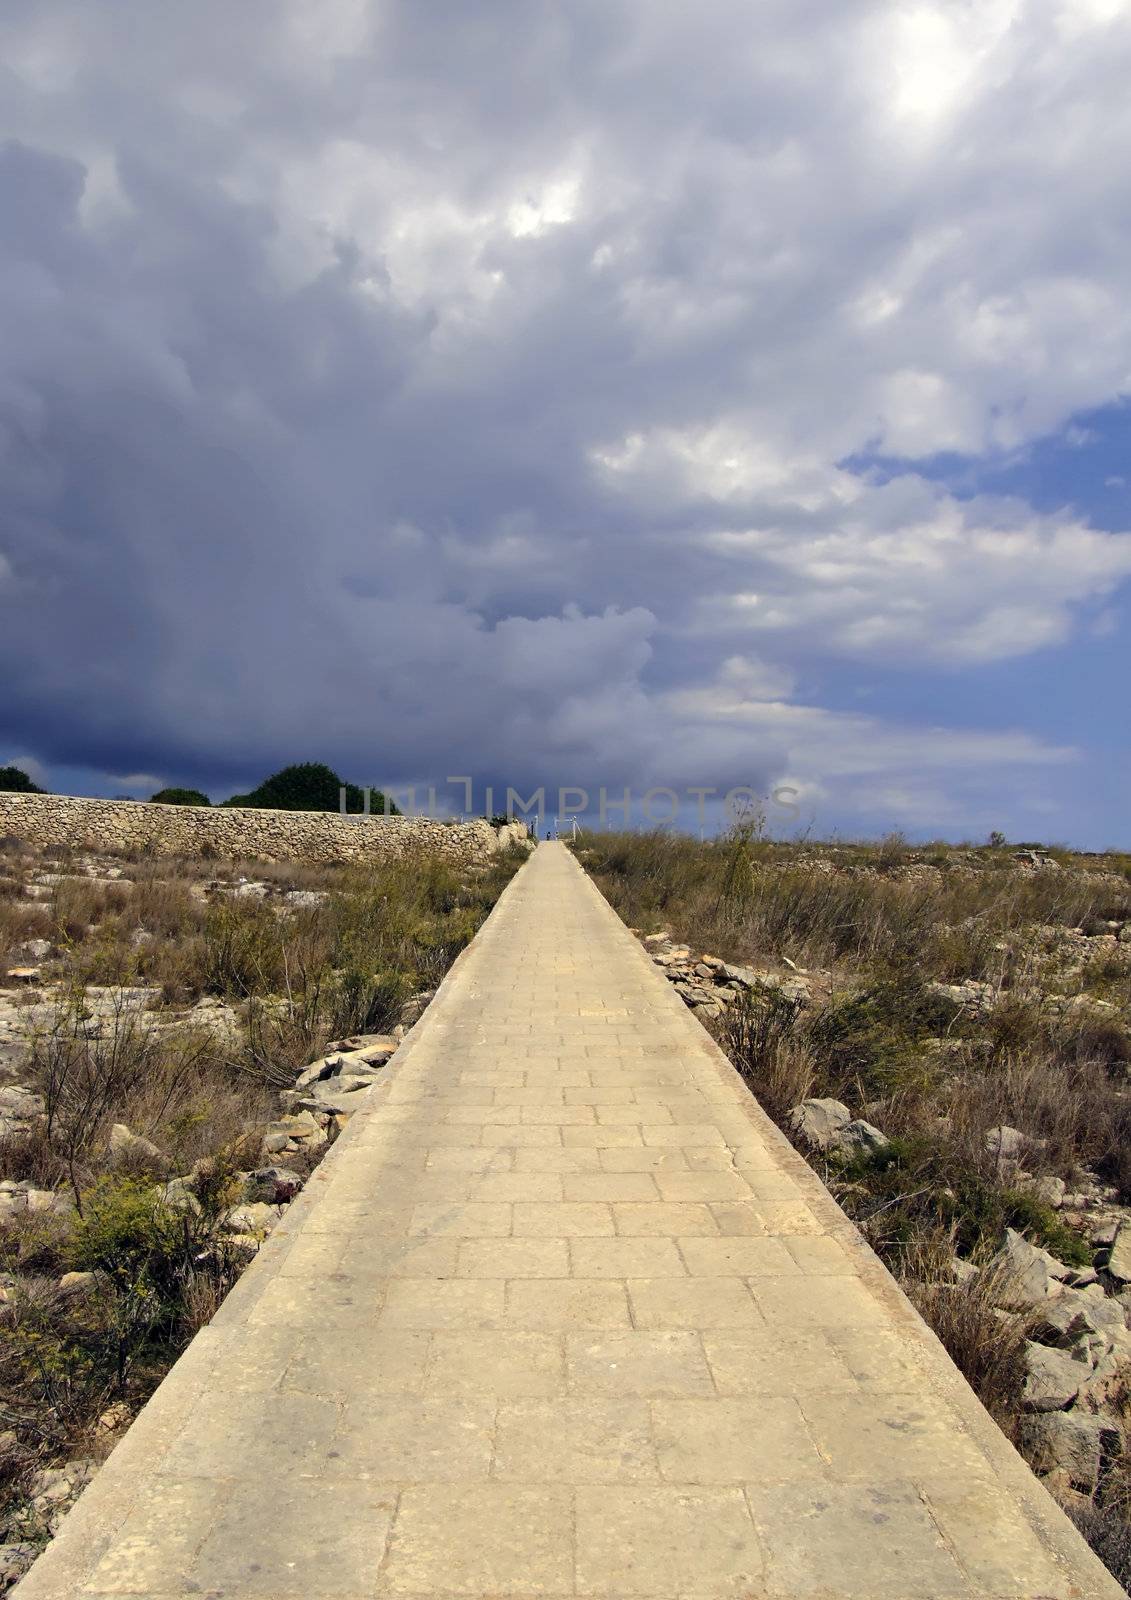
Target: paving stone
point(582, 1303)
point(564, 1220)
point(486, 1539)
point(638, 1363)
point(852, 1539)
point(692, 1303)
point(730, 1440)
point(575, 1441)
point(514, 1258)
point(757, 1361)
point(665, 1541)
point(626, 1258)
point(738, 1256)
point(530, 1365)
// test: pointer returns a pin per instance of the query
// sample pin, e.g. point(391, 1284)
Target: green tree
point(310, 786)
point(179, 797)
point(13, 780)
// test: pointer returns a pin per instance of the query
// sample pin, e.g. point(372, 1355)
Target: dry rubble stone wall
point(243, 833)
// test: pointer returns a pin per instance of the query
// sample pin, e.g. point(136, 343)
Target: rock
point(19, 1110)
point(305, 899)
point(301, 1126)
point(273, 1185)
point(78, 1284)
point(340, 1094)
point(255, 1218)
point(860, 1138)
point(744, 977)
point(1066, 1318)
point(1119, 1262)
point(1106, 1384)
point(1049, 1191)
point(178, 1193)
point(1054, 1378)
point(1005, 1143)
point(1071, 1443)
point(970, 995)
point(331, 1091)
point(34, 950)
point(115, 1417)
point(819, 1121)
point(1024, 1274)
point(15, 1559)
point(128, 1146)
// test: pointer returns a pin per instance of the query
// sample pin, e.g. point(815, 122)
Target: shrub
point(987, 1349)
point(86, 1072)
point(179, 797)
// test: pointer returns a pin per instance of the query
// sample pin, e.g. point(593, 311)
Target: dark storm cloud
point(461, 389)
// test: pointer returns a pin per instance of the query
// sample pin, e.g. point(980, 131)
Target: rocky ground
point(946, 1036)
point(169, 1078)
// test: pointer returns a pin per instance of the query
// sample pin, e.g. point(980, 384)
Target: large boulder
point(1054, 1378)
point(1006, 1143)
point(1119, 1262)
point(254, 1218)
point(819, 1122)
point(1069, 1444)
point(1024, 1275)
point(860, 1138)
point(274, 1186)
point(128, 1148)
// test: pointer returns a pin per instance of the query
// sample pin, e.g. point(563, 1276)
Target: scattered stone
point(1070, 1443)
point(1005, 1143)
point(1119, 1261)
point(273, 1185)
point(15, 1559)
point(19, 1109)
point(819, 1121)
point(34, 950)
point(115, 1417)
point(126, 1146)
point(255, 1218)
point(970, 996)
point(1024, 1274)
point(78, 1284)
point(178, 1193)
point(860, 1137)
point(1054, 1378)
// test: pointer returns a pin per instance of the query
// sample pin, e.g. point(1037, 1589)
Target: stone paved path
point(562, 1314)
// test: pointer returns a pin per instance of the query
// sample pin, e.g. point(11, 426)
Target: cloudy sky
point(601, 392)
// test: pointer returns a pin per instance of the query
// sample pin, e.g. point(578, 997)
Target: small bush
point(988, 1350)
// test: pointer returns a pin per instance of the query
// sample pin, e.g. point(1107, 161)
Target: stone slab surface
point(563, 1314)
